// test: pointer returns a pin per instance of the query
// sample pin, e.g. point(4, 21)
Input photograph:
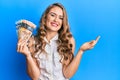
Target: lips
point(54, 24)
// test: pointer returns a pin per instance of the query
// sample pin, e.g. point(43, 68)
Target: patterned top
point(49, 62)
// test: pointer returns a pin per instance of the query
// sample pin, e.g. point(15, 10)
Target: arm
point(32, 66)
point(69, 70)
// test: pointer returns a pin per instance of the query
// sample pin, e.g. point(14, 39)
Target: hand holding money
point(24, 31)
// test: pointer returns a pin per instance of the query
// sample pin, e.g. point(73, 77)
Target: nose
point(56, 19)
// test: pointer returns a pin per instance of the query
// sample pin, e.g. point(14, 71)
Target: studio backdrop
point(87, 20)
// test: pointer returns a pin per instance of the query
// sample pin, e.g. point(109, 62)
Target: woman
point(49, 54)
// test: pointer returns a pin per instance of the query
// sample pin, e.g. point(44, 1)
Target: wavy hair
point(64, 45)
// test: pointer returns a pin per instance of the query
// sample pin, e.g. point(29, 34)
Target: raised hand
point(89, 45)
point(24, 31)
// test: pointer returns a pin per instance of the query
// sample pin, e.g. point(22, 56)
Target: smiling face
point(54, 19)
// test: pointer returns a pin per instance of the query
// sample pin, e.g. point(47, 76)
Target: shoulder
point(72, 40)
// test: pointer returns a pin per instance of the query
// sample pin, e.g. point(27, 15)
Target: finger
point(21, 42)
point(17, 48)
point(97, 39)
point(92, 42)
point(21, 46)
point(92, 47)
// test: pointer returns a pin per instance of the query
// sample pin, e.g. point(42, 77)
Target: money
point(24, 30)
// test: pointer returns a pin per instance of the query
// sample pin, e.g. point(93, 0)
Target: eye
point(61, 18)
point(52, 14)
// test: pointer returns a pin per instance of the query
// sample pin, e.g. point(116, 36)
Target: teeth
point(53, 24)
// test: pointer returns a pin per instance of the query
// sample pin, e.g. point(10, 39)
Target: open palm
point(89, 45)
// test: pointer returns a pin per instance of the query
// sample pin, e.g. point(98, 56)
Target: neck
point(50, 35)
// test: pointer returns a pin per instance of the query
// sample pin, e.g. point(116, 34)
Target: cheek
point(61, 22)
point(49, 18)
point(48, 21)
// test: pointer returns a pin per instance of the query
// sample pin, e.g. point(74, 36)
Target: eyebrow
point(56, 14)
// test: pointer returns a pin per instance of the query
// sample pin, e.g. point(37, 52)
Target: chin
point(55, 29)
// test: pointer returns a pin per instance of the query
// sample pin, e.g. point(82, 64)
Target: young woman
point(49, 54)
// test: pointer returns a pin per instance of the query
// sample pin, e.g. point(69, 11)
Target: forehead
point(57, 10)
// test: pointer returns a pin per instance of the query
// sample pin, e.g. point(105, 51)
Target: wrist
point(28, 55)
point(81, 51)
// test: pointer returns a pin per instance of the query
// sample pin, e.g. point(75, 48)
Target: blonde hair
point(64, 45)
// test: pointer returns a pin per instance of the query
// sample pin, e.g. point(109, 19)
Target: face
point(54, 19)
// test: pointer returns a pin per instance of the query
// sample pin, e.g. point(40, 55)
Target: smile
point(54, 24)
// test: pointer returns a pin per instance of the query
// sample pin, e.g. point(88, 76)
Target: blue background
point(87, 19)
